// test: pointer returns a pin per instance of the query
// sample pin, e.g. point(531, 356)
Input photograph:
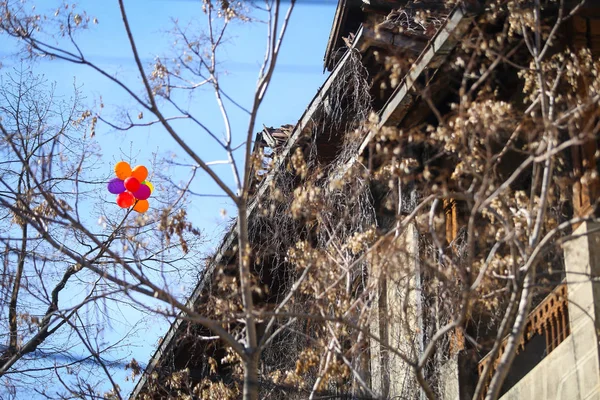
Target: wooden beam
point(339, 19)
point(433, 57)
point(392, 41)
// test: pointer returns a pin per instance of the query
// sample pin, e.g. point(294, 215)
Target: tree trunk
point(251, 376)
point(253, 355)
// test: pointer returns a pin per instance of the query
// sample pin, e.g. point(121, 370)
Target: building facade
point(432, 107)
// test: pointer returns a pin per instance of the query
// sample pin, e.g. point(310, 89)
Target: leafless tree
point(45, 155)
point(163, 85)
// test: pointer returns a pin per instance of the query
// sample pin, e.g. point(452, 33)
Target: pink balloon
point(142, 193)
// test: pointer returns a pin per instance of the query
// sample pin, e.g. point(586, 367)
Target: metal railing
point(549, 319)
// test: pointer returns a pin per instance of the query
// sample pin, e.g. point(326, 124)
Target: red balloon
point(125, 200)
point(132, 184)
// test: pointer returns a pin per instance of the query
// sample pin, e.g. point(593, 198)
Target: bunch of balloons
point(131, 186)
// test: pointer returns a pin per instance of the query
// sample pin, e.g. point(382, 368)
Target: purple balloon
point(116, 186)
point(142, 193)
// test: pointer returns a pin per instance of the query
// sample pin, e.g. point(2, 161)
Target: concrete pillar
point(582, 264)
point(449, 379)
point(397, 320)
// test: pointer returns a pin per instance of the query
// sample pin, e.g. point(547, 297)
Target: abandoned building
point(399, 66)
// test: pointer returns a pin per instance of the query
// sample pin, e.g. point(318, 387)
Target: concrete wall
point(572, 370)
point(569, 372)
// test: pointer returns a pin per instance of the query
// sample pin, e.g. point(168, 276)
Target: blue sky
point(297, 79)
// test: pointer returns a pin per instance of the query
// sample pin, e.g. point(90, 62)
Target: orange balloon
point(141, 206)
point(140, 173)
point(123, 170)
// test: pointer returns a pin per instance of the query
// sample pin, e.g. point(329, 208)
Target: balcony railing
point(550, 320)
